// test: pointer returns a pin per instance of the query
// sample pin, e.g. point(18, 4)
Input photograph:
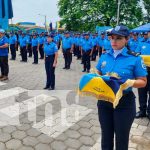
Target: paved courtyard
point(34, 119)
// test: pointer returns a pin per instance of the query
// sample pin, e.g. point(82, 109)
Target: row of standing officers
point(85, 47)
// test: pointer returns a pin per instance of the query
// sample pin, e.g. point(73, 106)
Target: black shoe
point(140, 114)
point(65, 68)
point(45, 88)
point(34, 63)
point(88, 71)
point(83, 70)
point(68, 68)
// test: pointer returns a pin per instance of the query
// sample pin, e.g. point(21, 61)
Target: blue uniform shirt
point(146, 40)
point(143, 48)
point(87, 45)
point(34, 42)
point(12, 39)
point(3, 51)
point(125, 65)
point(133, 44)
point(29, 39)
point(23, 41)
point(50, 48)
point(41, 40)
point(101, 42)
point(94, 41)
point(66, 43)
point(107, 44)
point(56, 39)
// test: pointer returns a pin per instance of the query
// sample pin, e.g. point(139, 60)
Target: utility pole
point(45, 18)
point(118, 11)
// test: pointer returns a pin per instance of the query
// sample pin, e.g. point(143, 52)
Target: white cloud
point(28, 10)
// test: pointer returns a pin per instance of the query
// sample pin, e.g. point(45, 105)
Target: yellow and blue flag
point(107, 88)
point(146, 59)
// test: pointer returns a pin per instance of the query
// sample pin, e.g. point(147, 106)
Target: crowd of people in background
point(85, 46)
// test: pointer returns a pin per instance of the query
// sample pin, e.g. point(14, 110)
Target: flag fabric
point(107, 88)
point(10, 9)
point(4, 8)
point(146, 59)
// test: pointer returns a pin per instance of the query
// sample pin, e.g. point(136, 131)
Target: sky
point(29, 10)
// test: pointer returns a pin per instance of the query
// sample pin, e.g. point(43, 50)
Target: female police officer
point(128, 66)
point(51, 55)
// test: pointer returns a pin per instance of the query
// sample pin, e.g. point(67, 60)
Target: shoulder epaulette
point(133, 53)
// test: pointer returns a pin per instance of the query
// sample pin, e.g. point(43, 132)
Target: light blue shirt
point(125, 65)
point(66, 43)
point(12, 39)
point(23, 41)
point(50, 48)
point(34, 42)
point(87, 45)
point(3, 41)
point(143, 48)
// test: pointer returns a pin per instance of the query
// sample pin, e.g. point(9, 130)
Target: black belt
point(50, 55)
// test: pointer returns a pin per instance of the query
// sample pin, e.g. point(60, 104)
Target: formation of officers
point(86, 47)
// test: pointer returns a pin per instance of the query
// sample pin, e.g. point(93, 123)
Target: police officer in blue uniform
point(145, 38)
point(41, 42)
point(67, 46)
point(107, 44)
point(35, 48)
point(23, 47)
point(51, 55)
point(127, 65)
point(13, 44)
point(86, 52)
point(4, 56)
point(101, 43)
point(134, 42)
point(29, 44)
point(95, 47)
point(144, 93)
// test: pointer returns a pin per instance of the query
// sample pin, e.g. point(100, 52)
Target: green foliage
point(147, 7)
point(84, 15)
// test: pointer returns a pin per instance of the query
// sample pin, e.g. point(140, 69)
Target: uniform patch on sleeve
point(143, 64)
point(103, 64)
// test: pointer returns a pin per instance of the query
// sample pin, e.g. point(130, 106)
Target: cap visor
point(116, 33)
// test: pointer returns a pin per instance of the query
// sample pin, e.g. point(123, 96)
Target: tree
point(147, 7)
point(84, 15)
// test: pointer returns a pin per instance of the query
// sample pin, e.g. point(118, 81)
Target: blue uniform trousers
point(4, 65)
point(35, 53)
point(67, 57)
point(116, 121)
point(50, 71)
point(86, 60)
point(41, 51)
point(78, 52)
point(144, 96)
point(30, 50)
point(94, 53)
point(99, 51)
point(13, 51)
point(24, 53)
